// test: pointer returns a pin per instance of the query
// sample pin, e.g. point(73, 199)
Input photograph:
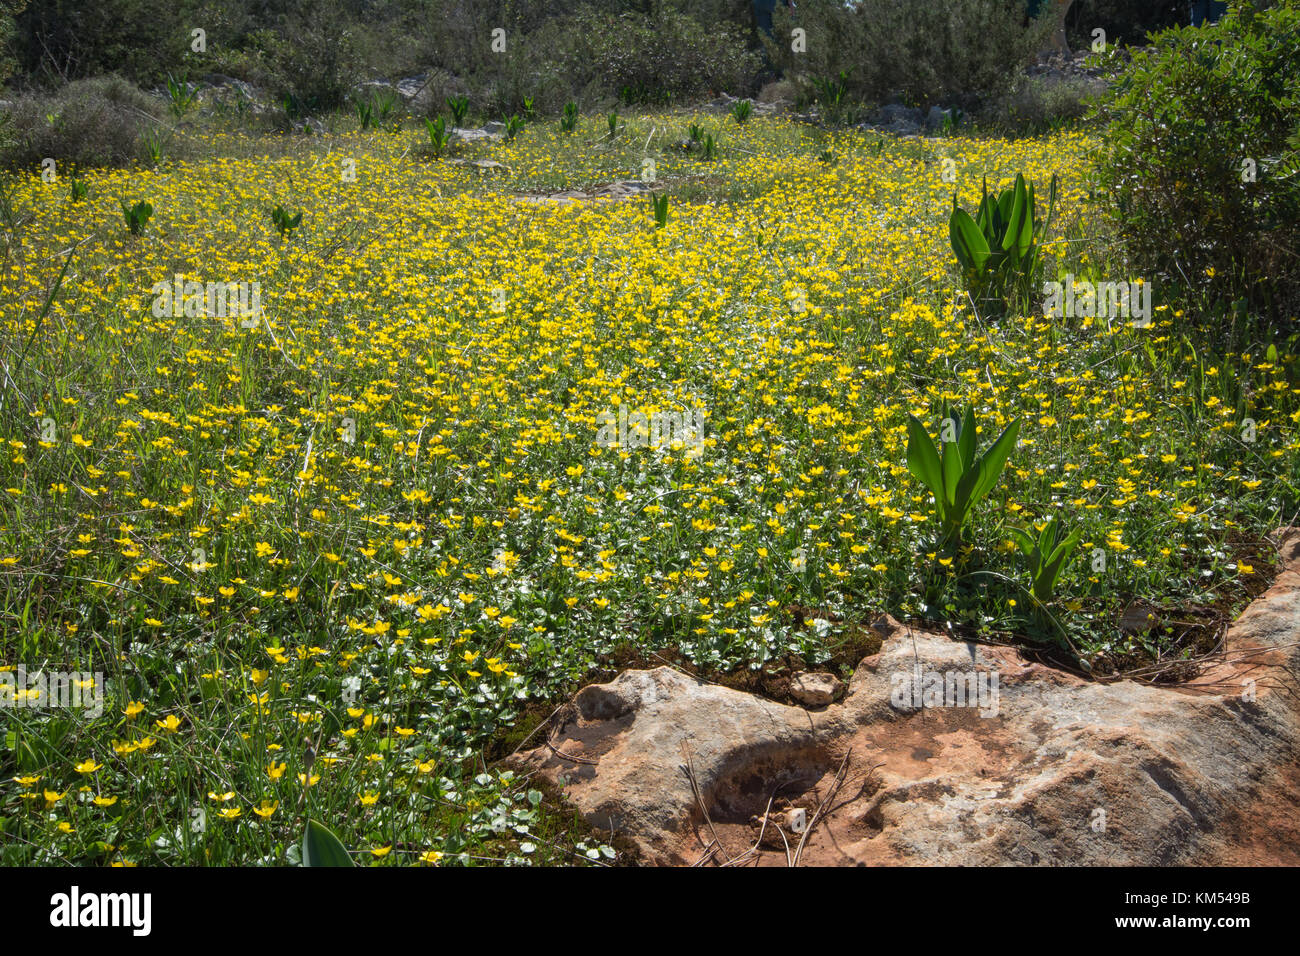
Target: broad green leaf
point(1005, 203)
point(1062, 550)
point(1016, 215)
point(967, 240)
point(320, 847)
point(1025, 238)
point(1048, 537)
point(1046, 582)
point(965, 495)
point(966, 439)
point(922, 459)
point(993, 460)
point(1023, 541)
point(950, 460)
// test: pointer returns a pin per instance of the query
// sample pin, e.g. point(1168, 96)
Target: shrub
point(100, 122)
point(307, 57)
point(9, 10)
point(141, 40)
point(665, 58)
point(924, 51)
point(1202, 165)
point(1038, 104)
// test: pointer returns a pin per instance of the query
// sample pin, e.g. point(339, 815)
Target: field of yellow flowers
point(323, 559)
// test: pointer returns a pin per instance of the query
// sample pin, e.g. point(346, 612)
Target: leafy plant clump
point(1000, 250)
point(956, 475)
point(569, 119)
point(439, 135)
point(136, 216)
point(285, 224)
point(1045, 556)
point(459, 107)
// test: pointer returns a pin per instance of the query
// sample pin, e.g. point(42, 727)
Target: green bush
point(141, 40)
point(9, 10)
point(307, 64)
point(962, 52)
point(1202, 159)
point(99, 122)
point(665, 58)
point(596, 56)
point(1039, 104)
point(305, 53)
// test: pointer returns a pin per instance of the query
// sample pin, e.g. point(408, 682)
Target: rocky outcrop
point(618, 190)
point(958, 754)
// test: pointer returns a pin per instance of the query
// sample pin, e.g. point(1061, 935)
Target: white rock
point(816, 689)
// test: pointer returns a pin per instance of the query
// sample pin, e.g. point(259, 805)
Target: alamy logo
point(656, 431)
point(62, 690)
point(920, 689)
point(194, 299)
point(74, 909)
point(1104, 300)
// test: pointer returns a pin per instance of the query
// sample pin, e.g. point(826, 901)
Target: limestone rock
point(628, 750)
point(816, 689)
point(950, 753)
point(482, 134)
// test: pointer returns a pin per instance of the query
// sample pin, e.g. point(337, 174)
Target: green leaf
point(1063, 549)
point(1051, 570)
point(1004, 206)
point(1051, 205)
point(967, 241)
point(950, 461)
point(320, 847)
point(965, 494)
point(1048, 537)
point(922, 458)
point(1023, 541)
point(993, 460)
point(1016, 216)
point(966, 439)
point(1025, 238)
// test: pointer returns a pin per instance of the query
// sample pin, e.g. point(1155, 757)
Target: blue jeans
point(1207, 11)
